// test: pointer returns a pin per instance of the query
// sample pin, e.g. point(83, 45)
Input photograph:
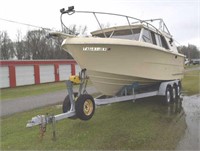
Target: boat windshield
point(132, 34)
point(127, 34)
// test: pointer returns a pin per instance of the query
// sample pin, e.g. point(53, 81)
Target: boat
point(118, 56)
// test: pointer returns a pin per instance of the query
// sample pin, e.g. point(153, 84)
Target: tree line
point(190, 51)
point(35, 45)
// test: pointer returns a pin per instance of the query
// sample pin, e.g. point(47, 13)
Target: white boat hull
point(113, 63)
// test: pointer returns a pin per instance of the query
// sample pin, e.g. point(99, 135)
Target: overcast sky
point(181, 16)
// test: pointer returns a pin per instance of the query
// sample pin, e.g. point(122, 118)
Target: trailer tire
point(85, 107)
point(67, 105)
point(178, 90)
point(174, 93)
point(168, 95)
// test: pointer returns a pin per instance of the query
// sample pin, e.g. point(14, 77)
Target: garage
point(78, 69)
point(64, 72)
point(47, 73)
point(4, 77)
point(25, 75)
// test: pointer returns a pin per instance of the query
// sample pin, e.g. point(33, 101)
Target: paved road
point(12, 106)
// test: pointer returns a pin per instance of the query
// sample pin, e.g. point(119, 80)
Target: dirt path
point(12, 106)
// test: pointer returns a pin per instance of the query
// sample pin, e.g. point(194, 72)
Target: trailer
point(82, 105)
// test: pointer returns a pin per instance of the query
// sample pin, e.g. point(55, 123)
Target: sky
point(182, 17)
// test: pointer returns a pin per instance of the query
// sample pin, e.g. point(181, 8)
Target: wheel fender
point(163, 86)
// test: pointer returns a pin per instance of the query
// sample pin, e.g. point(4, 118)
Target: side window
point(164, 43)
point(153, 38)
point(158, 40)
point(146, 37)
point(149, 36)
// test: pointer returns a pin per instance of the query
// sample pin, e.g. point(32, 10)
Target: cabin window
point(127, 34)
point(146, 37)
point(102, 35)
point(164, 43)
point(158, 40)
point(153, 38)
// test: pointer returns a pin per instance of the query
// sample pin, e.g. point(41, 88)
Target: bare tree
point(107, 25)
point(190, 51)
point(38, 44)
point(74, 29)
point(6, 46)
point(20, 47)
point(35, 45)
point(59, 53)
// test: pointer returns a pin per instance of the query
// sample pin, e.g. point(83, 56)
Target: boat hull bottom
point(110, 84)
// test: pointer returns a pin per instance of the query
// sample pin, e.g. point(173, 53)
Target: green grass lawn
point(192, 66)
point(17, 92)
point(191, 82)
point(23, 91)
point(145, 124)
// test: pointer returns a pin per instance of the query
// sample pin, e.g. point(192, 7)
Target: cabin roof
point(134, 26)
point(116, 28)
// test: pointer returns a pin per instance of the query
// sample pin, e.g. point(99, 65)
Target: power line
point(16, 22)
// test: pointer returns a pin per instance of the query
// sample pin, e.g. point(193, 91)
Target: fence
point(18, 73)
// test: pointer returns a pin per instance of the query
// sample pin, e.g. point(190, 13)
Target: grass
point(31, 90)
point(192, 66)
point(191, 82)
point(17, 92)
point(143, 125)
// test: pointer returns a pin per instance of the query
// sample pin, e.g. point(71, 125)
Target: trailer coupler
point(45, 119)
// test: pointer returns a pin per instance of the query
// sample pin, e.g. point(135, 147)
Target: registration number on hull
point(95, 49)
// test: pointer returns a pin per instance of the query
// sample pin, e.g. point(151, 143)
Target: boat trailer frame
point(170, 90)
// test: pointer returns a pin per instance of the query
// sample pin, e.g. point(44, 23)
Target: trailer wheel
point(178, 90)
point(85, 107)
point(174, 92)
point(67, 105)
point(168, 95)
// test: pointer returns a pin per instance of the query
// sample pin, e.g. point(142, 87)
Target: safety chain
point(42, 127)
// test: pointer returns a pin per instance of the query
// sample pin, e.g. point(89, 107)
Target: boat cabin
point(139, 30)
point(138, 33)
